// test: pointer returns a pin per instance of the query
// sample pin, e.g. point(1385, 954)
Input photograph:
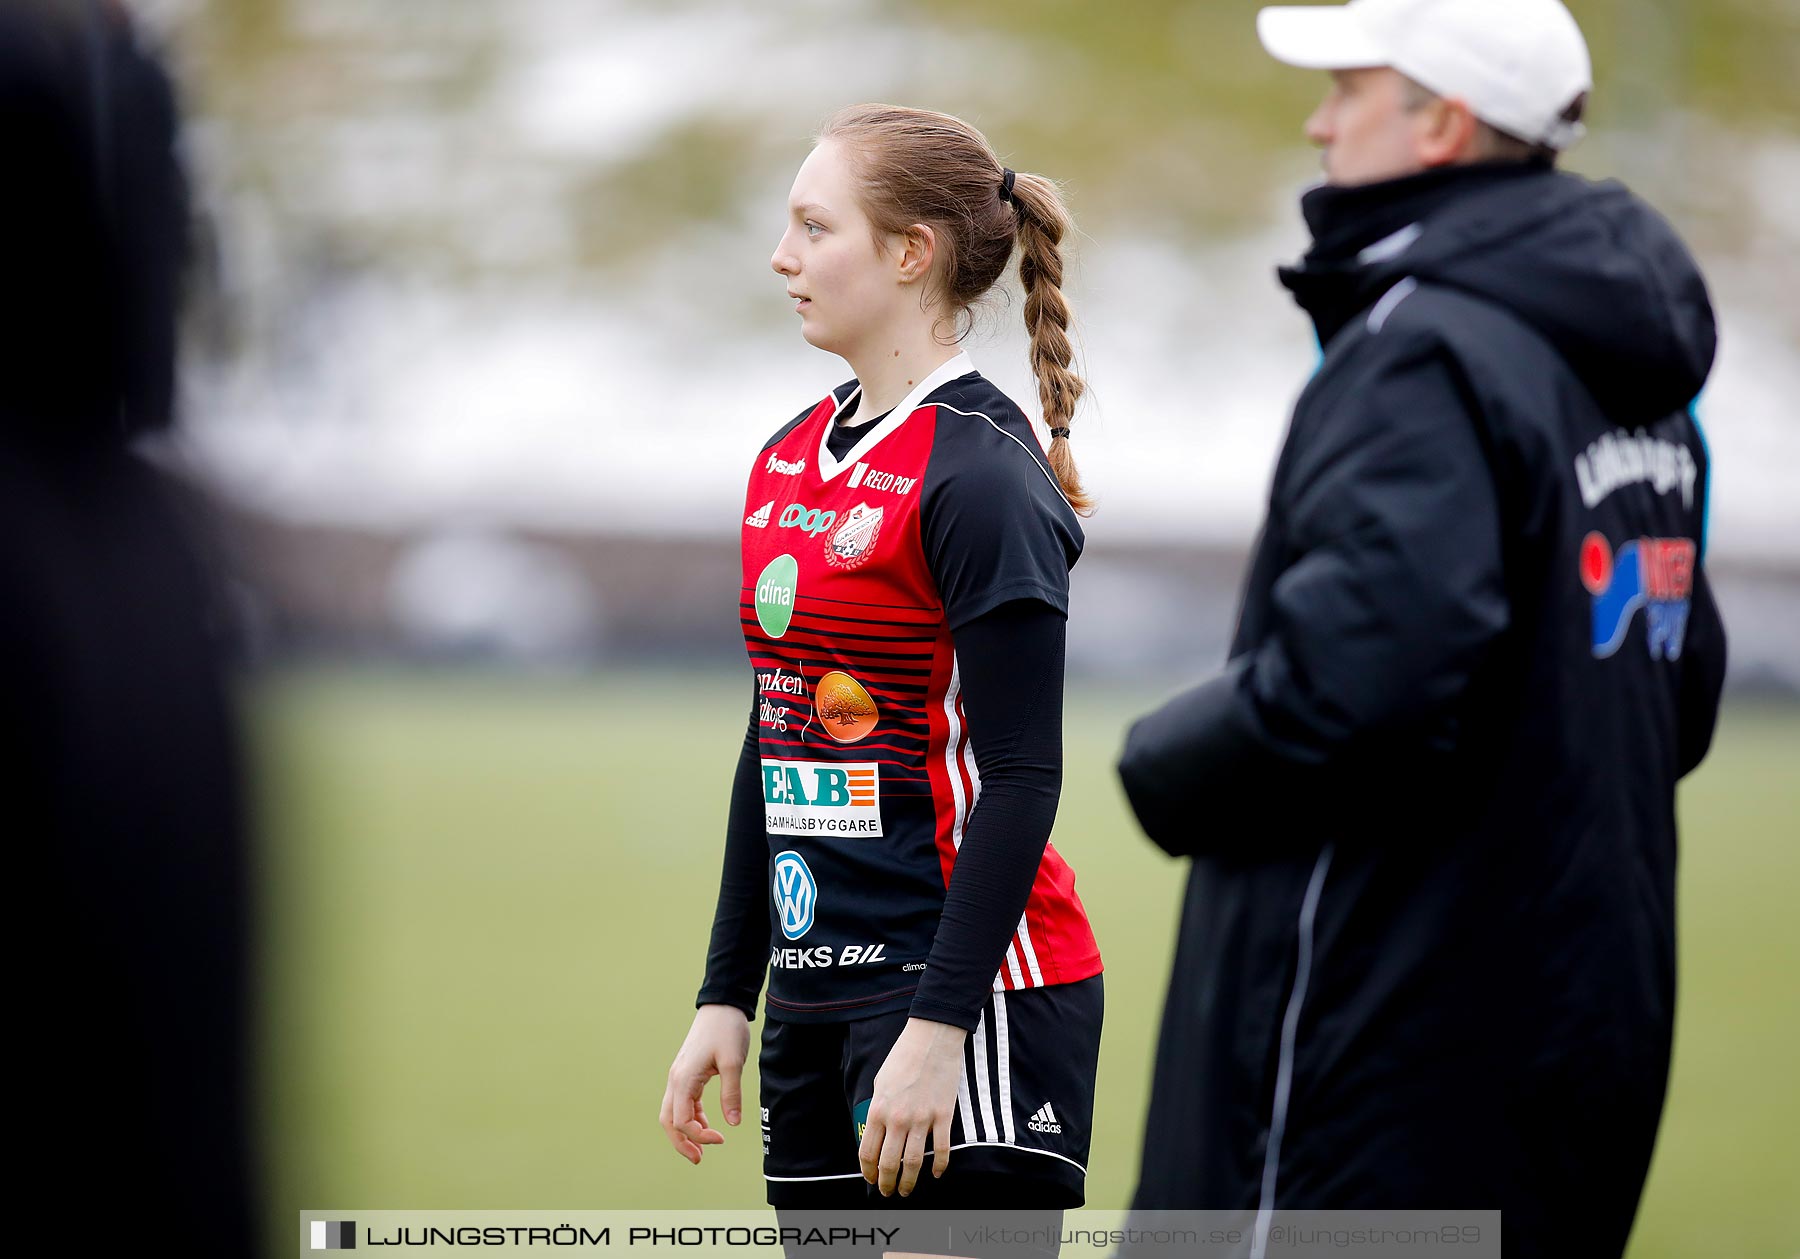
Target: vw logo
point(796, 894)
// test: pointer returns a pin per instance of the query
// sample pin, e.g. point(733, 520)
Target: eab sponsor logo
point(796, 895)
point(821, 797)
point(775, 590)
point(778, 464)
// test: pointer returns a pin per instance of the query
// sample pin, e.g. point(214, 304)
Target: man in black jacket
point(1427, 954)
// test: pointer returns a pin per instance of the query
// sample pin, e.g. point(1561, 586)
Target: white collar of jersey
point(830, 465)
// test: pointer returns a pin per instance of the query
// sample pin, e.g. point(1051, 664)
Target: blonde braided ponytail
point(1043, 221)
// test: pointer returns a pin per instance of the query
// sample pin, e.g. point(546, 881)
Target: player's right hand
point(716, 1044)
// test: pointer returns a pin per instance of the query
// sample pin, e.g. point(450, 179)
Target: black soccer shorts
point(1024, 1111)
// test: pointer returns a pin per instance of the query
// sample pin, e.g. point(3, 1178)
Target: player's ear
point(1447, 132)
point(918, 246)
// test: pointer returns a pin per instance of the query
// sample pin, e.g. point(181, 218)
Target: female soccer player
point(934, 986)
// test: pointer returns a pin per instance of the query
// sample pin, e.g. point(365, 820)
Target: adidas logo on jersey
point(759, 519)
point(1044, 1120)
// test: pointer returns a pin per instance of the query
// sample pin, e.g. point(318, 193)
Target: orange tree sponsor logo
point(847, 712)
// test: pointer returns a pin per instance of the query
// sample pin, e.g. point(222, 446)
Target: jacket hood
point(1590, 266)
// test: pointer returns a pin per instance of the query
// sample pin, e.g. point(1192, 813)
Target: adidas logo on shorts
point(760, 518)
point(1044, 1120)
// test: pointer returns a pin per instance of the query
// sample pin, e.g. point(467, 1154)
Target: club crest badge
point(852, 541)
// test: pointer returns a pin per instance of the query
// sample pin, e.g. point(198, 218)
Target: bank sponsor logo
point(875, 479)
point(1044, 1120)
point(808, 520)
point(778, 464)
point(1619, 458)
point(796, 895)
point(780, 684)
point(1655, 574)
point(847, 712)
point(853, 541)
point(776, 589)
point(759, 519)
point(823, 956)
point(821, 797)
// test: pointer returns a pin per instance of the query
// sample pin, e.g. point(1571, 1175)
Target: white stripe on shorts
point(982, 1090)
point(1003, 1054)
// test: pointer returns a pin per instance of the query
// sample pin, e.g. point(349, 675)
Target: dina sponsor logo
point(776, 589)
point(850, 544)
point(1654, 574)
point(821, 797)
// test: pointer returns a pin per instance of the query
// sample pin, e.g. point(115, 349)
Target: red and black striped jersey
point(855, 573)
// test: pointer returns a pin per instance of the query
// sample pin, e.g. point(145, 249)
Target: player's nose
point(782, 260)
point(1318, 126)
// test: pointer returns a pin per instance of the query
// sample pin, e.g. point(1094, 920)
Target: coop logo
point(796, 895)
point(334, 1234)
point(861, 475)
point(778, 464)
point(808, 520)
point(1656, 574)
point(853, 541)
point(821, 797)
point(776, 589)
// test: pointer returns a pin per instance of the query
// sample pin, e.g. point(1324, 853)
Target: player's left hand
point(915, 1097)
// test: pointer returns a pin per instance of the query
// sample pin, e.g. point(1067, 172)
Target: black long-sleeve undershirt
point(1010, 661)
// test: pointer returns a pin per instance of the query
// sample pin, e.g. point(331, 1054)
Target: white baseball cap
point(1518, 64)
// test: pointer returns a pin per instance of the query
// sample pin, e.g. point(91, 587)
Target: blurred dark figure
point(119, 766)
